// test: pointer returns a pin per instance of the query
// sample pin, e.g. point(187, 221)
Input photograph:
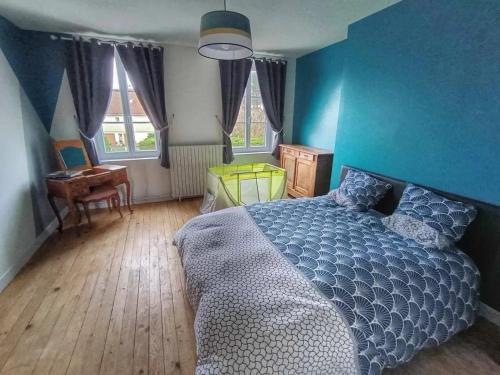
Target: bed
point(309, 287)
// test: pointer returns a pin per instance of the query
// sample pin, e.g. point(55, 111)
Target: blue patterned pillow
point(359, 191)
point(448, 217)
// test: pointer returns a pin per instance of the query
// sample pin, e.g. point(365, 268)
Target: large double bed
point(306, 286)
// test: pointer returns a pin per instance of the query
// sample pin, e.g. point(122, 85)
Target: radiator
point(188, 168)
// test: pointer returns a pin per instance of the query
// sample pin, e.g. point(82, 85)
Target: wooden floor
point(112, 302)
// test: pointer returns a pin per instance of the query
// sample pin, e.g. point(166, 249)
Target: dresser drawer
point(306, 156)
point(290, 152)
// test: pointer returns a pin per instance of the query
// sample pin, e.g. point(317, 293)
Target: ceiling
point(281, 27)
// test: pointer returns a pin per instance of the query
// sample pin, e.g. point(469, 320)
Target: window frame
point(247, 99)
point(132, 152)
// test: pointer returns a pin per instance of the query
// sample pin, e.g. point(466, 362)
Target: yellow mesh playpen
point(242, 184)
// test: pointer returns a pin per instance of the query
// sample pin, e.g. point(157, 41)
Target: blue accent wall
point(38, 62)
point(420, 96)
point(318, 87)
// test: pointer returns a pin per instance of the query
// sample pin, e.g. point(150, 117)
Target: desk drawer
point(100, 179)
point(120, 177)
point(78, 187)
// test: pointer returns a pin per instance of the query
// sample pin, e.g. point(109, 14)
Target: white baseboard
point(138, 200)
point(24, 257)
point(489, 313)
point(159, 198)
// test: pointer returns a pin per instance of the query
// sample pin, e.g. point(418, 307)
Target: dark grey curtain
point(233, 79)
point(144, 65)
point(272, 76)
point(89, 66)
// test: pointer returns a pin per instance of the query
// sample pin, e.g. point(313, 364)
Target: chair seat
point(98, 195)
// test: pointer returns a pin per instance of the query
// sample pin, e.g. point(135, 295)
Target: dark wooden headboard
point(481, 240)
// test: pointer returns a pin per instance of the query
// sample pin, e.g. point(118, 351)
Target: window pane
point(238, 134)
point(113, 128)
point(115, 108)
point(255, 83)
point(116, 83)
point(115, 137)
point(144, 136)
point(135, 105)
point(258, 117)
point(258, 132)
point(144, 132)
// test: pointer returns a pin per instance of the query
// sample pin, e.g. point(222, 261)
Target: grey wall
point(31, 68)
point(41, 160)
point(25, 156)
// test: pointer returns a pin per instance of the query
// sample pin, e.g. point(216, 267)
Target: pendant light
point(225, 35)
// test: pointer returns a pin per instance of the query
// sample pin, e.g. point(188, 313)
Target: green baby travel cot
point(242, 184)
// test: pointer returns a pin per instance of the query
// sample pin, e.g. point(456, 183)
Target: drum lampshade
point(225, 35)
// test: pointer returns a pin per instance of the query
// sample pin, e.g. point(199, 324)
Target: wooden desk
point(72, 188)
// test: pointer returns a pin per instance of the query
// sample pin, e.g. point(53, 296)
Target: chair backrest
point(71, 154)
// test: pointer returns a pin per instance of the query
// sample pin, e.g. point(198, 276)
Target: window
point(252, 131)
point(126, 131)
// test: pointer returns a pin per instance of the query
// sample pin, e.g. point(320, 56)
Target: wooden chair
point(104, 193)
point(71, 154)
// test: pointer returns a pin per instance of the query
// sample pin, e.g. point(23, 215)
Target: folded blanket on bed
point(255, 312)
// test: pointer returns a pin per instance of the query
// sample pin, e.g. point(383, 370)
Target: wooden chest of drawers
point(308, 170)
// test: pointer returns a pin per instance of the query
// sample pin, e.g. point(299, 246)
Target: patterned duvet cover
point(256, 313)
point(397, 296)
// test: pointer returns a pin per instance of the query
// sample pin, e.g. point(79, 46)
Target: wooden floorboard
point(113, 301)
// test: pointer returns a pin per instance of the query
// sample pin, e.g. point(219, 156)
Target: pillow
point(447, 218)
point(359, 191)
point(409, 227)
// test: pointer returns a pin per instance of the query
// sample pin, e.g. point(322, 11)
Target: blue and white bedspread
point(397, 296)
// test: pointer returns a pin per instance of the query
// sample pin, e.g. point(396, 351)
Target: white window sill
point(107, 161)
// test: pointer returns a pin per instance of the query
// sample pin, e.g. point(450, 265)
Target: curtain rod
point(87, 38)
point(276, 60)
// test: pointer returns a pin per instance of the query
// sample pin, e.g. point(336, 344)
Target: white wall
point(64, 121)
point(193, 99)
point(193, 96)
